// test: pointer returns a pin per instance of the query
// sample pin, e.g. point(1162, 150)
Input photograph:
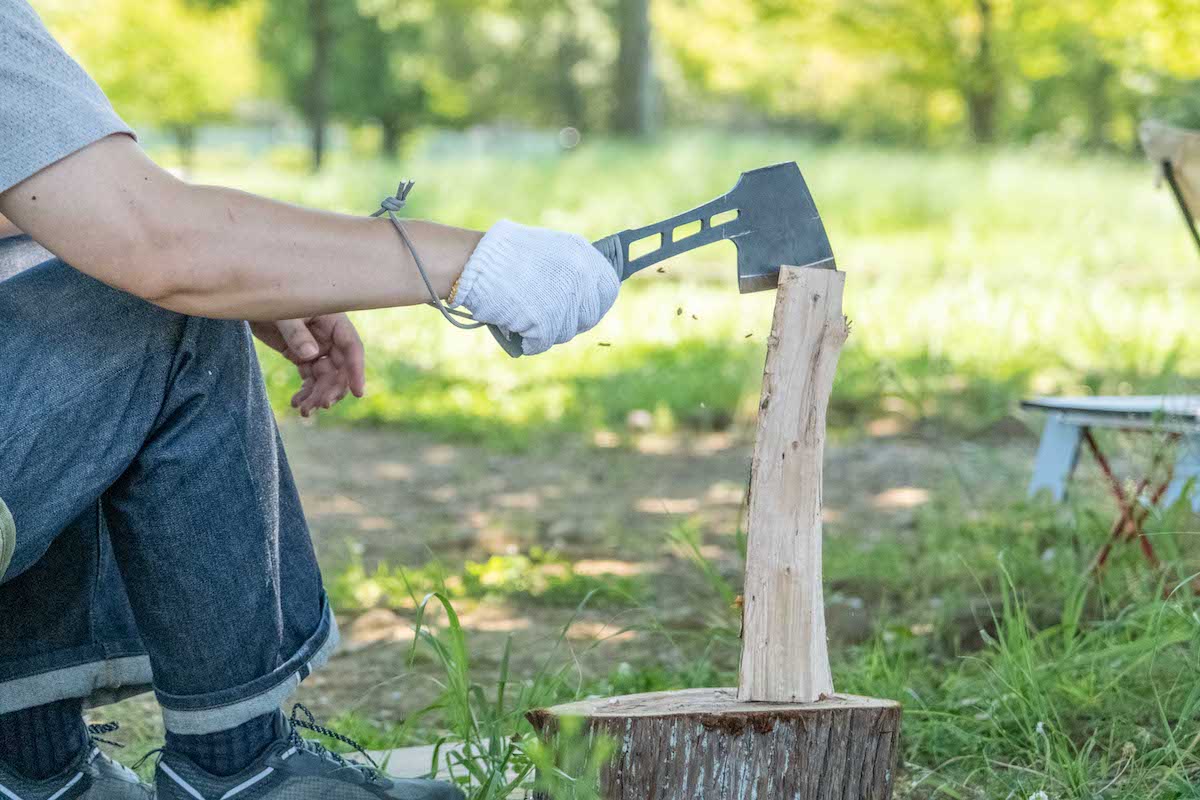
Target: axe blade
point(777, 224)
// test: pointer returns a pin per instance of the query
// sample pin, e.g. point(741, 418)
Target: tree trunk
point(393, 132)
point(981, 113)
point(571, 102)
point(703, 744)
point(317, 106)
point(1099, 102)
point(185, 145)
point(634, 112)
point(982, 92)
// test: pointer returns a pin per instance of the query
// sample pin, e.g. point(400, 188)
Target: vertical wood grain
point(785, 656)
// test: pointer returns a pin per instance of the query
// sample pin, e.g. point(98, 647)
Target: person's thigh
point(83, 373)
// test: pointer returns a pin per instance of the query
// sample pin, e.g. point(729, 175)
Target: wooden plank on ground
point(414, 762)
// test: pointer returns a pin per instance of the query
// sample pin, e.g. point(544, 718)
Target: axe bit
point(776, 223)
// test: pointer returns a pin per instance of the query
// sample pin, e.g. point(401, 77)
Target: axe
point(776, 223)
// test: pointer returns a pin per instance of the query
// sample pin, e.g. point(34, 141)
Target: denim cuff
point(217, 711)
point(99, 682)
point(103, 680)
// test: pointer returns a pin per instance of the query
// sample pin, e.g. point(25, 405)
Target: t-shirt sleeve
point(49, 107)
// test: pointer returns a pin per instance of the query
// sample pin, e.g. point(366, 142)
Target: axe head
point(777, 224)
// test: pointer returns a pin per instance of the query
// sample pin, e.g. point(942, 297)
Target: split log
point(782, 733)
point(705, 744)
point(784, 654)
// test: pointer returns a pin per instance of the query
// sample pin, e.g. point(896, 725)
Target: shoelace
point(156, 754)
point(95, 731)
point(390, 205)
point(371, 771)
point(309, 722)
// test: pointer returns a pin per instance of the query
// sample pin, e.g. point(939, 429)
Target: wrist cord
point(390, 205)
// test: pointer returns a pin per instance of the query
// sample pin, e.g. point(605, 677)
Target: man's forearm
point(110, 212)
point(242, 256)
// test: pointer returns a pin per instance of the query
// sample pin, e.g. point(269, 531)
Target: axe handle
point(616, 247)
point(611, 247)
point(669, 246)
point(511, 342)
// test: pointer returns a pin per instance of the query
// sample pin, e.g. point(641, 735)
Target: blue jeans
point(160, 540)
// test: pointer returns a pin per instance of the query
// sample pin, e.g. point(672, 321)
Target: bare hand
point(327, 353)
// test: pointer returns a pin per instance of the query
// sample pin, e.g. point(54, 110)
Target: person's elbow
point(160, 260)
point(135, 257)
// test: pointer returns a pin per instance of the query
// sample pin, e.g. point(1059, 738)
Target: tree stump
point(783, 732)
point(705, 744)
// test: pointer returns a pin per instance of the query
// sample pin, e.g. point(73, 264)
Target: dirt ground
point(404, 498)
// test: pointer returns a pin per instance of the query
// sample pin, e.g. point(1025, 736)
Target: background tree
point(300, 49)
point(539, 62)
point(168, 63)
point(921, 72)
point(634, 111)
point(961, 48)
point(378, 75)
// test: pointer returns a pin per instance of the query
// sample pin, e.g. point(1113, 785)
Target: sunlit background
point(976, 164)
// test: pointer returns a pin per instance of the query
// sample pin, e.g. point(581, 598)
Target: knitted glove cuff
point(485, 268)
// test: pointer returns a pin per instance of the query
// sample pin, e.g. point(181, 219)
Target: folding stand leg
point(1131, 518)
point(1187, 471)
point(1127, 523)
point(1057, 454)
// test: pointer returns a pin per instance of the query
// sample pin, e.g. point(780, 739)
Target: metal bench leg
point(1057, 455)
point(1187, 470)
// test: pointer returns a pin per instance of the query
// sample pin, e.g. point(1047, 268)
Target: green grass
point(536, 578)
point(1018, 673)
point(973, 278)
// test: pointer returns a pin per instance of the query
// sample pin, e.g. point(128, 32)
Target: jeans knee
point(55, 319)
point(222, 343)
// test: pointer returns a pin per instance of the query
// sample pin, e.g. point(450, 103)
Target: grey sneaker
point(294, 768)
point(92, 776)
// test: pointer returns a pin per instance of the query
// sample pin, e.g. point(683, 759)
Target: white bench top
point(1175, 411)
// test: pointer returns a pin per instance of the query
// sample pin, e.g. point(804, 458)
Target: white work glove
point(544, 285)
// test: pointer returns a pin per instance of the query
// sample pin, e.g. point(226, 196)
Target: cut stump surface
point(705, 744)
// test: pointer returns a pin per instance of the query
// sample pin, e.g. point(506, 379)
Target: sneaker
point(92, 776)
point(294, 768)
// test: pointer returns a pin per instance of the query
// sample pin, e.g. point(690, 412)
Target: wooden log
point(782, 733)
point(785, 657)
point(705, 744)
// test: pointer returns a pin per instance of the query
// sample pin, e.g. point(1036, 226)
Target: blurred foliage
point(165, 62)
point(915, 71)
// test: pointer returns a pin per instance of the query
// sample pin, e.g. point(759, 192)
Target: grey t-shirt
point(49, 107)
